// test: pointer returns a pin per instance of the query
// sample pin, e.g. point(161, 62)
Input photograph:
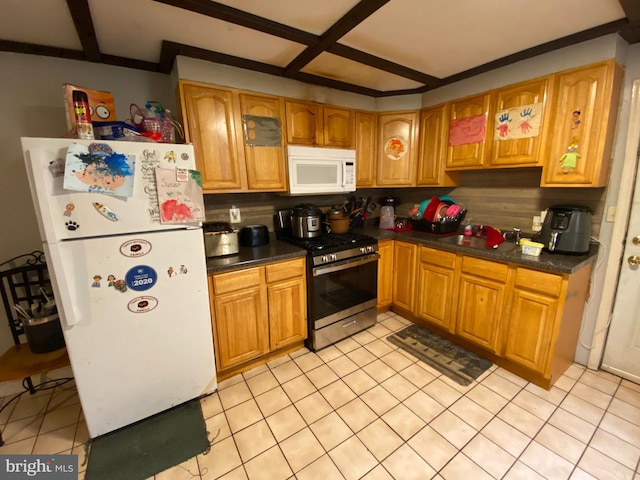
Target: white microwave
point(318, 170)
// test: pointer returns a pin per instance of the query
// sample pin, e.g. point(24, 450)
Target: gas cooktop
point(343, 246)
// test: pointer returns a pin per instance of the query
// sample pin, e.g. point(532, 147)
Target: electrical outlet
point(611, 214)
point(234, 215)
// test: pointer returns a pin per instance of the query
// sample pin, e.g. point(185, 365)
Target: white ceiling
point(381, 47)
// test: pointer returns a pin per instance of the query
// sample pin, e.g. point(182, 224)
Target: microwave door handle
point(344, 174)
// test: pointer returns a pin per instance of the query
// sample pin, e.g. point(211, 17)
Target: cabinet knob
point(634, 260)
point(636, 240)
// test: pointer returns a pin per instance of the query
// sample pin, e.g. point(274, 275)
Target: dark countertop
point(273, 251)
point(276, 251)
point(551, 262)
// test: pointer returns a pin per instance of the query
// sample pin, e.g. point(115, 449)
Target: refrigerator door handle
point(63, 290)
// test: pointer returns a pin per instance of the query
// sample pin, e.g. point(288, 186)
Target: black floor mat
point(150, 446)
point(448, 358)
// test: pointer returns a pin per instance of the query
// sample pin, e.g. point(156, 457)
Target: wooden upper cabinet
point(210, 116)
point(434, 134)
point(520, 151)
point(365, 149)
point(265, 166)
point(585, 108)
point(338, 127)
point(304, 123)
point(397, 149)
point(314, 124)
point(466, 114)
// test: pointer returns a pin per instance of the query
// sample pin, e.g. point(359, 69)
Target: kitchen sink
point(477, 243)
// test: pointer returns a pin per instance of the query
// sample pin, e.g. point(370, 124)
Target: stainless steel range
point(342, 282)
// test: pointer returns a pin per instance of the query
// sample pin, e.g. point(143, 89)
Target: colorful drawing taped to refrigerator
point(96, 168)
point(180, 195)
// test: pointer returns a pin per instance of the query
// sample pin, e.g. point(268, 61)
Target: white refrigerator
point(131, 289)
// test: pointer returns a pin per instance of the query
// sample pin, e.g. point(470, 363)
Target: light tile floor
point(365, 409)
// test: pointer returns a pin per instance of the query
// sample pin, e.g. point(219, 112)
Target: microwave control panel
point(349, 173)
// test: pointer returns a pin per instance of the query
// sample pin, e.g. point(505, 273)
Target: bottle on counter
point(81, 109)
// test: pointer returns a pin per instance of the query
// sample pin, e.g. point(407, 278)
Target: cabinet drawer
point(485, 268)
point(537, 281)
point(232, 281)
point(284, 270)
point(437, 257)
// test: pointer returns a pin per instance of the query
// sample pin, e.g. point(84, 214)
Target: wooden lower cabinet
point(528, 321)
point(481, 297)
point(404, 267)
point(256, 313)
point(436, 288)
point(385, 274)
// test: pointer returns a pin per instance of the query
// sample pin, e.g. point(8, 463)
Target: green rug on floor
point(150, 446)
point(450, 359)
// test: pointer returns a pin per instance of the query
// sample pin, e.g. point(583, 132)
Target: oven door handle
point(336, 267)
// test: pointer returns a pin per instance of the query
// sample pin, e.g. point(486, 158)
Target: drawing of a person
point(111, 279)
point(96, 281)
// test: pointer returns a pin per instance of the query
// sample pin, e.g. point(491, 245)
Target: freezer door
point(137, 324)
point(67, 214)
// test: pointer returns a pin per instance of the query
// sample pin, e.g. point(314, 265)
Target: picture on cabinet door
point(518, 122)
point(463, 131)
point(395, 148)
point(262, 131)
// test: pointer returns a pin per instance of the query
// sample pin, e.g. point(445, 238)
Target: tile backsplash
point(503, 198)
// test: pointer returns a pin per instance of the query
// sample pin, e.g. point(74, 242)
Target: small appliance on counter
point(306, 221)
point(220, 239)
point(387, 213)
point(254, 235)
point(566, 229)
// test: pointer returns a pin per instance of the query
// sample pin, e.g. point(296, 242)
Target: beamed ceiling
point(372, 47)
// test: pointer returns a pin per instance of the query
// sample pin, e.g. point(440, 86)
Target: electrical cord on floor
point(606, 327)
point(37, 388)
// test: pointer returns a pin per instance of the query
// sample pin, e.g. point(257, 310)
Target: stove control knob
point(334, 257)
point(324, 259)
point(363, 250)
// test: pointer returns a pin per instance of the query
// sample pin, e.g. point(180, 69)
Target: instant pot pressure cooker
point(306, 221)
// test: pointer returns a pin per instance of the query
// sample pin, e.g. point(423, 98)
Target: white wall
point(32, 106)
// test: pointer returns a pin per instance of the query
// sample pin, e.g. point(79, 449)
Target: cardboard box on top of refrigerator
point(101, 104)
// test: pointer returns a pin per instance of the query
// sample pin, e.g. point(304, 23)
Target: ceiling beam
point(631, 10)
point(239, 17)
point(33, 49)
point(81, 15)
point(350, 20)
point(382, 64)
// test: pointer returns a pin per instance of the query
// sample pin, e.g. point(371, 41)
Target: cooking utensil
point(339, 225)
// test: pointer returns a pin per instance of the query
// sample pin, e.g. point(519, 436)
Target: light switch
point(234, 215)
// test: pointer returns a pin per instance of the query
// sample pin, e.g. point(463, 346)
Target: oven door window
point(342, 286)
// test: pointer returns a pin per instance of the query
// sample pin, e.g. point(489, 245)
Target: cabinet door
point(472, 116)
point(304, 123)
point(397, 149)
point(532, 319)
point(265, 166)
point(385, 273)
point(434, 135)
point(520, 151)
point(209, 124)
point(481, 302)
point(365, 149)
point(404, 261)
point(435, 292)
point(338, 127)
point(584, 110)
point(240, 331)
point(287, 312)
